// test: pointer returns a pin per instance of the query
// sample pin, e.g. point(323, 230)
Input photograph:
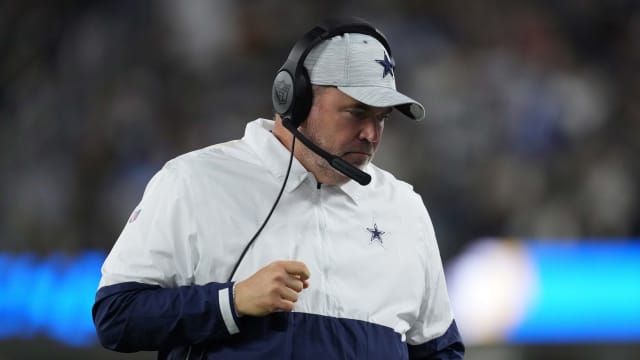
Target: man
point(336, 271)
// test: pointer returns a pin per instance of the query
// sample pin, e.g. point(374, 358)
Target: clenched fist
point(275, 287)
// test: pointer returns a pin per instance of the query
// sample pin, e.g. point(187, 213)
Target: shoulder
point(210, 170)
point(220, 160)
point(238, 154)
point(235, 152)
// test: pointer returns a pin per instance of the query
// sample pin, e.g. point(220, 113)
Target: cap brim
point(385, 97)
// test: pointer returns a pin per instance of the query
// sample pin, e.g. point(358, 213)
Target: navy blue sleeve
point(133, 316)
point(449, 346)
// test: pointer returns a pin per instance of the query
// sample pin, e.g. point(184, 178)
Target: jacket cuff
point(227, 309)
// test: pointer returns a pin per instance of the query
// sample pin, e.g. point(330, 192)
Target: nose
point(371, 130)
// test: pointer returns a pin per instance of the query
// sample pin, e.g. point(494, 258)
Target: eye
point(357, 113)
point(360, 114)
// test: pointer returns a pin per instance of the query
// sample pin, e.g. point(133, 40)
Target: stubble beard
point(322, 168)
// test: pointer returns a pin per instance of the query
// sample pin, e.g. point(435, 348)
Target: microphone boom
point(336, 162)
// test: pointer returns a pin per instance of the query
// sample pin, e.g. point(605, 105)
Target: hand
point(274, 287)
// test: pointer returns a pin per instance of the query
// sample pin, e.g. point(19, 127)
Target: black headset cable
point(266, 220)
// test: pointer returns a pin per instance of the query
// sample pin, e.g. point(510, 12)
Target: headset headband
point(327, 30)
point(291, 93)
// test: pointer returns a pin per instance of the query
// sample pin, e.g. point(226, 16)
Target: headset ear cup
point(283, 93)
point(304, 98)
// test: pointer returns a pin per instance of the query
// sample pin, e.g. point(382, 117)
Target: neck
point(282, 134)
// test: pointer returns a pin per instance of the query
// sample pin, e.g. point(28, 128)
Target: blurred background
point(527, 162)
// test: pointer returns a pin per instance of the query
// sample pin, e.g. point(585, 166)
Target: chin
point(361, 165)
point(358, 160)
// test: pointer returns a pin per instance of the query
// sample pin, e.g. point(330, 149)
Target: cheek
point(315, 131)
point(313, 124)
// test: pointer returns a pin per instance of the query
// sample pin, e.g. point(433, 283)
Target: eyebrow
point(365, 107)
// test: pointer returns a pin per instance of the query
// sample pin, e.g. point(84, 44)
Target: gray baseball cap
point(359, 66)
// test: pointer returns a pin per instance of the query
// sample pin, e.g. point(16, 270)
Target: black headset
point(291, 93)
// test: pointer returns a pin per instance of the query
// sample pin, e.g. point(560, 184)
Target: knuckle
point(274, 290)
point(279, 277)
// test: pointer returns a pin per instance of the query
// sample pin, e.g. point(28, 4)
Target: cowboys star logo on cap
point(387, 66)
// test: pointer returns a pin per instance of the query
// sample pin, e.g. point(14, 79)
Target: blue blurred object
point(588, 292)
point(49, 296)
point(579, 292)
point(547, 291)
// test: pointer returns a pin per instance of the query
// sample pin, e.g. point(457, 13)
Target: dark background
point(531, 130)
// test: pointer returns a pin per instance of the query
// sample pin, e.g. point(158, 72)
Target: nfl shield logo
point(134, 215)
